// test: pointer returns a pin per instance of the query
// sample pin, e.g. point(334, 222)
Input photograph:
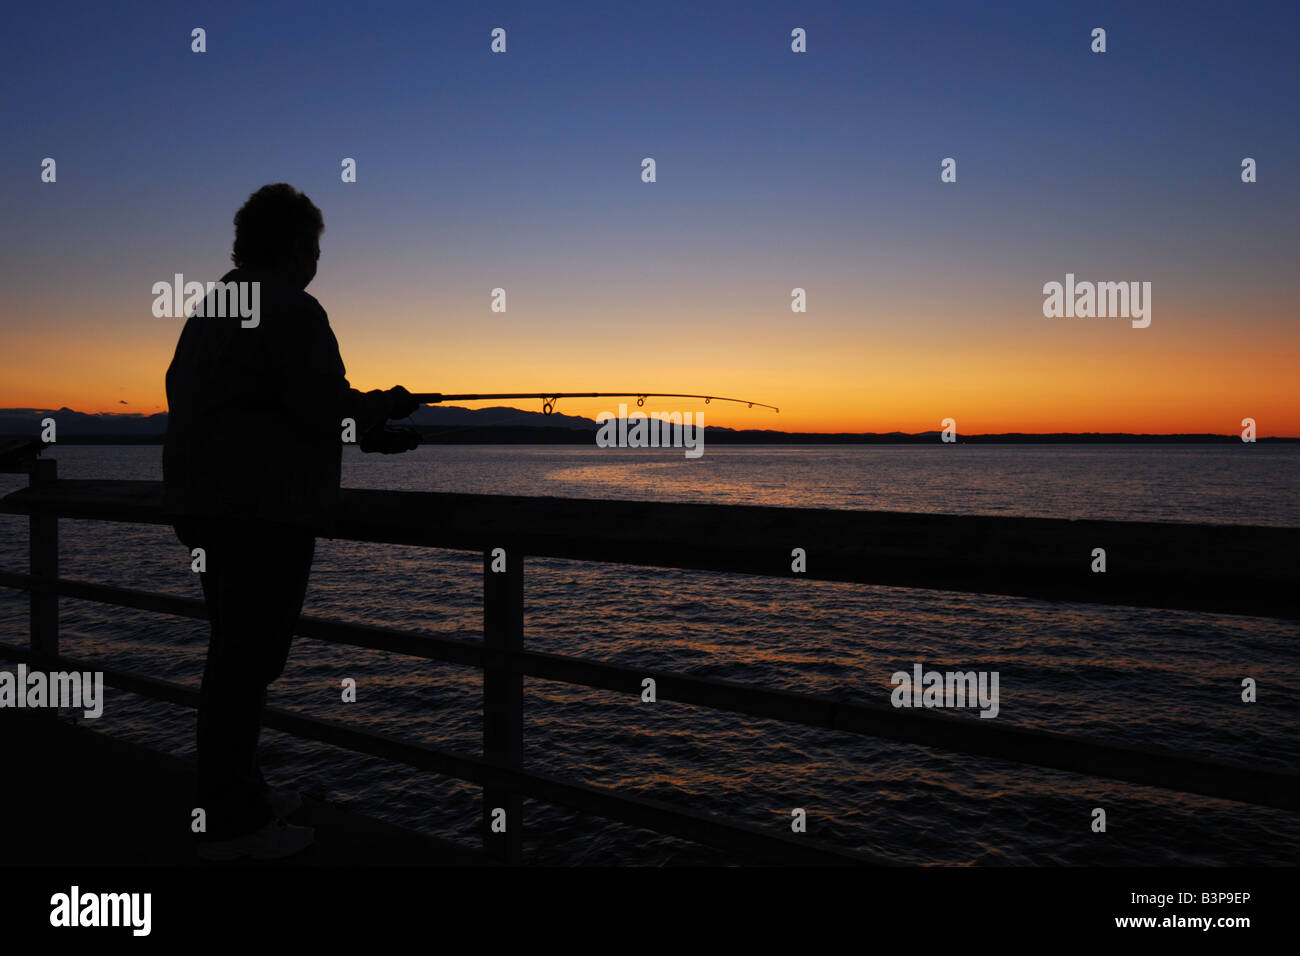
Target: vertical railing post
point(503, 697)
point(43, 539)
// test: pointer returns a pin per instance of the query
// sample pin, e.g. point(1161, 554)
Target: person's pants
point(254, 586)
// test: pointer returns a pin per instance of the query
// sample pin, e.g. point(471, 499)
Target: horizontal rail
point(19, 455)
point(1144, 766)
point(1225, 569)
point(602, 802)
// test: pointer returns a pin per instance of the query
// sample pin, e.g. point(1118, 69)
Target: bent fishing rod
point(549, 399)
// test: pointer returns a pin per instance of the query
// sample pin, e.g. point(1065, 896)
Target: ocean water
point(1132, 676)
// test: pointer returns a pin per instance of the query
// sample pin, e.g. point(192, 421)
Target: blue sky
point(774, 169)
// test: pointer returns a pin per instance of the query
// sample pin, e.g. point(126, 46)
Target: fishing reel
point(390, 440)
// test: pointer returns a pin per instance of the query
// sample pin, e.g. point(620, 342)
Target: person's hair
point(274, 219)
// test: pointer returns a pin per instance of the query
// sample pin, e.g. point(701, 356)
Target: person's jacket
point(255, 414)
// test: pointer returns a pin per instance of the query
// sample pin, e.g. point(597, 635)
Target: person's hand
point(390, 440)
point(400, 402)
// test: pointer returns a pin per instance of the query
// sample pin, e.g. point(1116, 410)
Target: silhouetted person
point(251, 464)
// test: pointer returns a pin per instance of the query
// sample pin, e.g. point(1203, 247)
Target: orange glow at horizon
point(1053, 378)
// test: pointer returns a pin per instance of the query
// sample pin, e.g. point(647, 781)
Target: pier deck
point(62, 802)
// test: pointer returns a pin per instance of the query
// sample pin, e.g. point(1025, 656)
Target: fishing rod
point(550, 398)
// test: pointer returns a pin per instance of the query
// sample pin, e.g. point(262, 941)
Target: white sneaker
point(273, 842)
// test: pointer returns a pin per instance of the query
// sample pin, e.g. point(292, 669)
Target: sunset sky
point(775, 170)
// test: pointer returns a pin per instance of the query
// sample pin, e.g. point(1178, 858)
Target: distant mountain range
point(451, 424)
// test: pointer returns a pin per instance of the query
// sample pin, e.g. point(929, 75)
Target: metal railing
point(1203, 568)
